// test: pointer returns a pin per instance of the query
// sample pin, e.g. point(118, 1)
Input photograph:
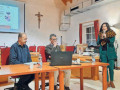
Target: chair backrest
point(63, 47)
point(41, 50)
point(32, 48)
point(70, 48)
point(5, 55)
point(2, 46)
point(5, 52)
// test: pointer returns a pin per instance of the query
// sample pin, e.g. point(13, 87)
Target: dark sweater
point(49, 49)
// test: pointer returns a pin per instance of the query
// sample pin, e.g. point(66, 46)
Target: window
point(90, 36)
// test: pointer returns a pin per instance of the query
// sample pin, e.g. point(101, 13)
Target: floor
point(88, 84)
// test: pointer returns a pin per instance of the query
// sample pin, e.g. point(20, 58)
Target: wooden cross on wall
point(39, 16)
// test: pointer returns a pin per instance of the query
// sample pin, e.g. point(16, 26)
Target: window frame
point(92, 39)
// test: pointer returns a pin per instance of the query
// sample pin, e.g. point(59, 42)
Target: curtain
point(80, 33)
point(96, 26)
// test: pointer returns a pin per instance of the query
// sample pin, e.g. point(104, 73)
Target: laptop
point(61, 58)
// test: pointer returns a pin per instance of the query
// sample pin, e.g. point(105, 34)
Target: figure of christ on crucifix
point(39, 16)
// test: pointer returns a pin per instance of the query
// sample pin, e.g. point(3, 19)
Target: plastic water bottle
point(40, 61)
point(80, 51)
point(78, 61)
point(93, 59)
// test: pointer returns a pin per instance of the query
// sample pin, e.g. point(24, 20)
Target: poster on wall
point(12, 16)
point(9, 18)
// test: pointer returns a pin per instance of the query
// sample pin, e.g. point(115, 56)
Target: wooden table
point(75, 56)
point(90, 72)
point(21, 69)
point(83, 65)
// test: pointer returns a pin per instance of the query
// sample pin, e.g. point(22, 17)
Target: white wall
point(51, 10)
point(108, 13)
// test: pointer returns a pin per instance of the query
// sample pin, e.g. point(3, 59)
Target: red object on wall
point(80, 33)
point(32, 48)
point(5, 55)
point(42, 52)
point(96, 26)
point(70, 48)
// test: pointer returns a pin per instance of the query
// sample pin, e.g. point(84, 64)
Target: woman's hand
point(103, 36)
point(49, 56)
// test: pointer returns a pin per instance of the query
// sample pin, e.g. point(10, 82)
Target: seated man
point(19, 54)
point(53, 47)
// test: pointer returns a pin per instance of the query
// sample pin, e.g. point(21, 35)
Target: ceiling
point(65, 1)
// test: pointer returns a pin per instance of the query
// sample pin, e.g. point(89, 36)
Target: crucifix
point(39, 16)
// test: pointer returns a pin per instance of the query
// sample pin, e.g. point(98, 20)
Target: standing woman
point(106, 38)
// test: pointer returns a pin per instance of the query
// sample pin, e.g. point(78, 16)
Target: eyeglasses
point(54, 39)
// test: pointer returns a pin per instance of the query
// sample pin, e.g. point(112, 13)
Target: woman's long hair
point(107, 25)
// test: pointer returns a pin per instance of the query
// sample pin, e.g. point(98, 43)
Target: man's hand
point(55, 44)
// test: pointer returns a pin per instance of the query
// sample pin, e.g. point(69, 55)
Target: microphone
point(104, 33)
point(4, 44)
point(61, 40)
point(74, 43)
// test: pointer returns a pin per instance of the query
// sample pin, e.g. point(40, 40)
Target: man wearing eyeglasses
point(53, 47)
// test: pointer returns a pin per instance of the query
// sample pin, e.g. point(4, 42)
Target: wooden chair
point(63, 47)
